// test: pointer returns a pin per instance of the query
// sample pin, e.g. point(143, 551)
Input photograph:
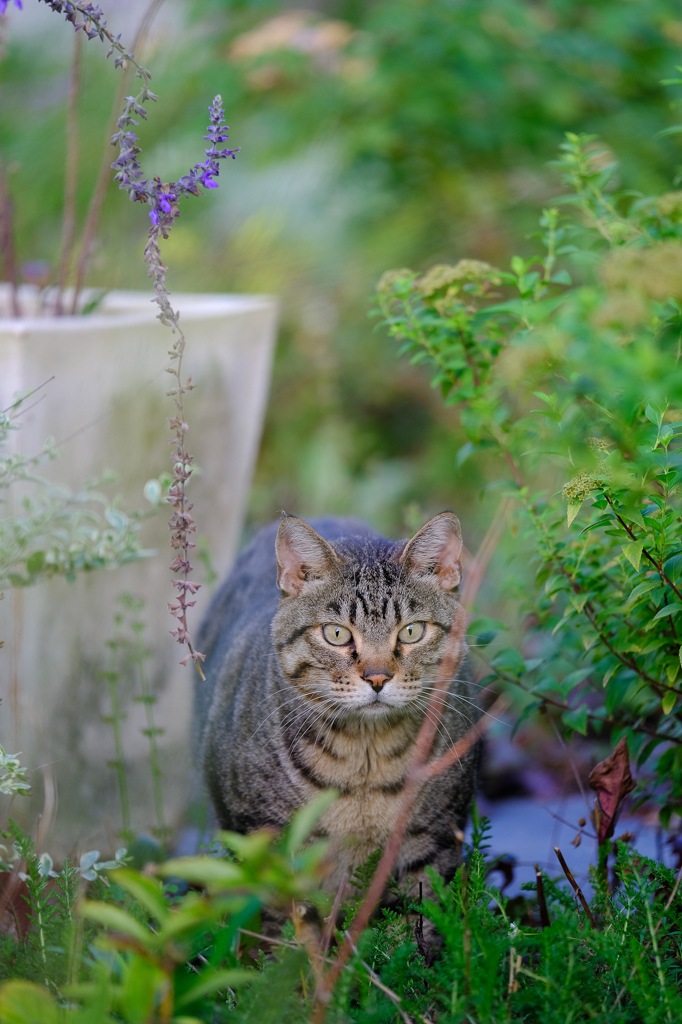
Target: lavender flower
point(4, 5)
point(163, 199)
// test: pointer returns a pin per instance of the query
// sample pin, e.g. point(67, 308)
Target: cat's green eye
point(336, 635)
point(411, 633)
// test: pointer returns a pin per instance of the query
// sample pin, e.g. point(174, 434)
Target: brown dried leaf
point(611, 780)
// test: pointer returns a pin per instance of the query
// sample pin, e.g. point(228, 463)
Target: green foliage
point(145, 948)
point(147, 951)
point(12, 776)
point(581, 386)
point(425, 135)
point(47, 530)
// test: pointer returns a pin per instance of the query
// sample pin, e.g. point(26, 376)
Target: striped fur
point(284, 714)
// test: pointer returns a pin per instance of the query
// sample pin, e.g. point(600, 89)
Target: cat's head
point(362, 623)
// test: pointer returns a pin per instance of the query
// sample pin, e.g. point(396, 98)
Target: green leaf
point(633, 515)
point(485, 630)
point(117, 920)
point(576, 718)
point(572, 511)
point(642, 588)
point(464, 452)
point(605, 520)
point(573, 678)
point(673, 568)
point(633, 553)
point(555, 584)
point(668, 702)
point(146, 891)
point(669, 609)
point(142, 981)
point(22, 1002)
point(305, 820)
point(529, 709)
point(35, 563)
point(653, 415)
point(210, 872)
point(211, 981)
point(578, 601)
point(509, 660)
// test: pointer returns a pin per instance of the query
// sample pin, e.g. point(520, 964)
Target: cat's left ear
point(436, 551)
point(303, 556)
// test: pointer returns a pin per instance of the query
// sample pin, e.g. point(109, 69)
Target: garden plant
point(565, 373)
point(573, 391)
point(565, 370)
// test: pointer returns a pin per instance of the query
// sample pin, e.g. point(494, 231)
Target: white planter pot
point(108, 400)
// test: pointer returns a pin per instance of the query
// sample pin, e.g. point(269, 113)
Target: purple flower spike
point(154, 217)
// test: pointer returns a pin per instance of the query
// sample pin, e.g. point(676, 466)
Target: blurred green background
point(373, 135)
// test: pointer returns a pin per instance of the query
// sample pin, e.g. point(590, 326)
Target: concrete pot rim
point(128, 308)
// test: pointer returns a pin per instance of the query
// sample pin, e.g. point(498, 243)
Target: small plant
point(126, 663)
point(12, 776)
point(575, 391)
point(50, 530)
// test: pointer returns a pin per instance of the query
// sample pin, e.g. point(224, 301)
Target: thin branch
point(104, 173)
point(331, 922)
point(7, 247)
point(542, 902)
point(578, 891)
point(576, 828)
point(71, 171)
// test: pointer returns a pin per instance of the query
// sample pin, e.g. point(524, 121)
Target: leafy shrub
point(576, 390)
point(49, 531)
point(143, 950)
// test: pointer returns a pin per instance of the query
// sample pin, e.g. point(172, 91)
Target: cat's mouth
point(377, 707)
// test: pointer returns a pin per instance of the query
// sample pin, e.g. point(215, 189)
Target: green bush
point(146, 951)
point(575, 389)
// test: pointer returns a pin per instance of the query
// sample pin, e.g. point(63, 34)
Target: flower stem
point(71, 172)
point(112, 676)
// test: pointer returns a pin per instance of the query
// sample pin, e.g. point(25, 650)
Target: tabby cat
point(322, 648)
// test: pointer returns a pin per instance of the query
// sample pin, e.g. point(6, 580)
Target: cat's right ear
point(302, 556)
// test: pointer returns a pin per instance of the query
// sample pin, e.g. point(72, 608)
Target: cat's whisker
point(429, 685)
point(307, 712)
point(423, 703)
point(452, 696)
point(329, 725)
point(427, 706)
point(458, 696)
point(447, 738)
point(314, 716)
point(296, 698)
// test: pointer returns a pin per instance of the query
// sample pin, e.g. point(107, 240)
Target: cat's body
point(313, 687)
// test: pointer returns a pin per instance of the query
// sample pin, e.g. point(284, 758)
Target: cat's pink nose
point(376, 677)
